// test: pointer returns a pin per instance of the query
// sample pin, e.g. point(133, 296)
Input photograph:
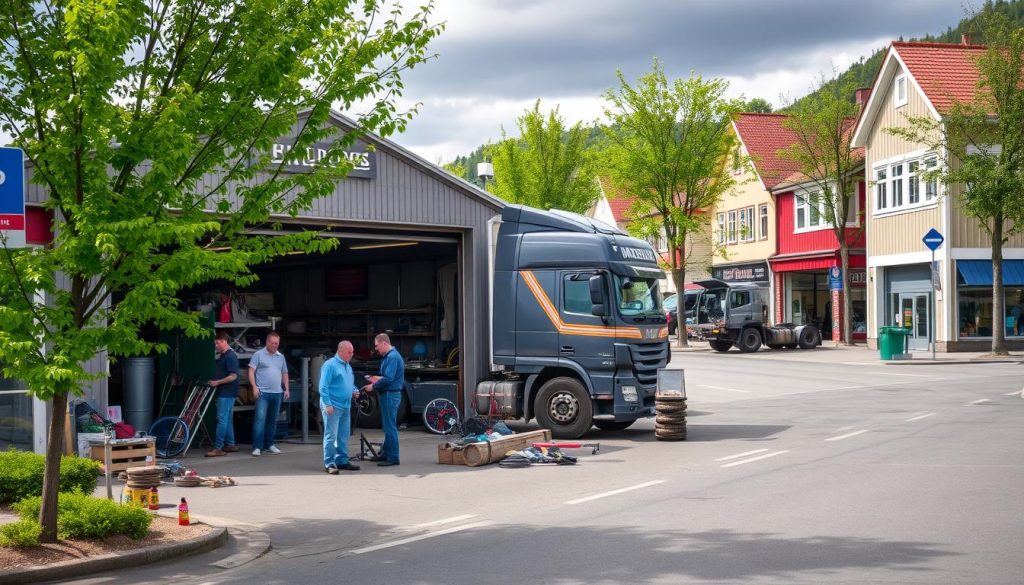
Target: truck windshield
point(637, 297)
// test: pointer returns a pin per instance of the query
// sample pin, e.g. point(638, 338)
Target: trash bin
point(899, 336)
point(892, 341)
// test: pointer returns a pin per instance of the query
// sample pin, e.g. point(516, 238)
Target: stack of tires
point(670, 419)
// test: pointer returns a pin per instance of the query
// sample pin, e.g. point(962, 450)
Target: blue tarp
point(979, 272)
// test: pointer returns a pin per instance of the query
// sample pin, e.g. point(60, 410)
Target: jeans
point(389, 404)
point(225, 436)
point(268, 406)
point(337, 429)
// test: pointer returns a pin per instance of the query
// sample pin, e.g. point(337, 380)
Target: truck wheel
point(613, 425)
point(809, 338)
point(720, 346)
point(563, 406)
point(749, 341)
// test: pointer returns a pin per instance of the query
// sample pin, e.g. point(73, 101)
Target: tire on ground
point(809, 338)
point(720, 345)
point(749, 341)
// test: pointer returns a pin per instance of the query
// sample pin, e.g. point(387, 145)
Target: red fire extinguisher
point(183, 513)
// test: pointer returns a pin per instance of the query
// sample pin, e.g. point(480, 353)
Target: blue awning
point(979, 272)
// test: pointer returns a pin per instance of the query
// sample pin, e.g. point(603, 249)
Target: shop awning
point(814, 261)
point(979, 272)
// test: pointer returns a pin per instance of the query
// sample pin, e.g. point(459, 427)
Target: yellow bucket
point(136, 496)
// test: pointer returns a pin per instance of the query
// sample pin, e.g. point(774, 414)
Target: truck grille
point(647, 358)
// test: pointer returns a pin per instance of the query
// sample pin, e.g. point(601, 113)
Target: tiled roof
point(764, 135)
point(617, 201)
point(945, 71)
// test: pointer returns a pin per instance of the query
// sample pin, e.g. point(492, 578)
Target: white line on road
point(615, 492)
point(722, 388)
point(752, 459)
point(1015, 393)
point(443, 521)
point(920, 416)
point(979, 401)
point(402, 541)
point(737, 456)
point(847, 435)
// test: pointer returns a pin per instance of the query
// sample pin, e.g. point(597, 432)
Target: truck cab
point(579, 331)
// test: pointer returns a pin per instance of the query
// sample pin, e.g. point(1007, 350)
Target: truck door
point(588, 348)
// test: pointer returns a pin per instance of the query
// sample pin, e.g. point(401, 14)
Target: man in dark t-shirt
point(226, 382)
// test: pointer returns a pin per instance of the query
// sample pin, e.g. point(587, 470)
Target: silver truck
point(728, 314)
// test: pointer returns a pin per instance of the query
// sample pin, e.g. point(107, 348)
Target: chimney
point(965, 38)
point(861, 97)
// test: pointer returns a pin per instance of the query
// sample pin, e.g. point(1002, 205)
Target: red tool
point(594, 447)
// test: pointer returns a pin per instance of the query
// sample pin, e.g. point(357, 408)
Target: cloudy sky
point(496, 57)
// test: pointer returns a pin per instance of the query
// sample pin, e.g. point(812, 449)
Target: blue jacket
point(392, 373)
point(337, 383)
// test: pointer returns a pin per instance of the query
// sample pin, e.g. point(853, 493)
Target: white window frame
point(731, 224)
point(888, 184)
point(721, 228)
point(745, 230)
point(762, 217)
point(802, 206)
point(900, 91)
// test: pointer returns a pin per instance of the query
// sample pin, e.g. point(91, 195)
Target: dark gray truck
point(728, 314)
point(579, 331)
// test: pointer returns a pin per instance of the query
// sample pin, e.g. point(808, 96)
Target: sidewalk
point(830, 352)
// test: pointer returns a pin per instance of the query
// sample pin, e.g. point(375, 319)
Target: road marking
point(722, 388)
point(847, 435)
point(979, 401)
point(741, 455)
point(1015, 393)
point(752, 459)
point(920, 416)
point(402, 541)
point(442, 521)
point(615, 492)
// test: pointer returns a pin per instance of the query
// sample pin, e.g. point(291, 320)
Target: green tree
point(668, 145)
point(983, 142)
point(759, 105)
point(124, 109)
point(547, 166)
point(822, 123)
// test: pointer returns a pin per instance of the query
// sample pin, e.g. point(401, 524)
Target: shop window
point(975, 312)
point(15, 415)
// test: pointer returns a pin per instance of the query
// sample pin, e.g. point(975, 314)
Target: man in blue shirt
point(337, 387)
point(226, 382)
point(389, 386)
point(268, 378)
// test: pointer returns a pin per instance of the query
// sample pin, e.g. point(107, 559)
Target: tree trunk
point(847, 324)
point(51, 473)
point(998, 312)
point(679, 279)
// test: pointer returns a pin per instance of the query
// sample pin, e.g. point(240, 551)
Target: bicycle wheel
point(441, 416)
point(171, 436)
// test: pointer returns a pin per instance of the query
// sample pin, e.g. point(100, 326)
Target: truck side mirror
point(597, 298)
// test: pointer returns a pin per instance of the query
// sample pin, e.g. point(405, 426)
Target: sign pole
point(935, 304)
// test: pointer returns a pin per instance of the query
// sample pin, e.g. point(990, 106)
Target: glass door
point(915, 314)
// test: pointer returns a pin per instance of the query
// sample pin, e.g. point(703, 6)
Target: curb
point(953, 362)
point(79, 567)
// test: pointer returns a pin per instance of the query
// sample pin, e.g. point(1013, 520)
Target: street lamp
point(484, 171)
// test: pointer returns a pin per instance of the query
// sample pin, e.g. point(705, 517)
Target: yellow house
point(743, 222)
point(950, 302)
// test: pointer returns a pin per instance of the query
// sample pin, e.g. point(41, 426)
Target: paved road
point(795, 471)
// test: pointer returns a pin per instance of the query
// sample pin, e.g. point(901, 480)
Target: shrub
point(83, 516)
point(22, 533)
point(21, 475)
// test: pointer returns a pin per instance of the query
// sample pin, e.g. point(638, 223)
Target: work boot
point(230, 449)
point(215, 453)
point(349, 467)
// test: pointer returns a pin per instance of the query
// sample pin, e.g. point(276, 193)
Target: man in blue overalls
point(337, 386)
point(389, 386)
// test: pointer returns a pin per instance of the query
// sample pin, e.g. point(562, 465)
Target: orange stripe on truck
point(574, 328)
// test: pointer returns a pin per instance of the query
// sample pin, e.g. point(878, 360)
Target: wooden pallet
point(125, 453)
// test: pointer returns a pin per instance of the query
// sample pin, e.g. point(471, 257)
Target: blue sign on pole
point(835, 278)
point(933, 239)
point(12, 197)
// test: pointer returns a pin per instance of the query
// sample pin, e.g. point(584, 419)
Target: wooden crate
point(476, 454)
point(125, 453)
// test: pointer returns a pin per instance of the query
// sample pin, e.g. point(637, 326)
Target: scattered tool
point(594, 447)
point(367, 451)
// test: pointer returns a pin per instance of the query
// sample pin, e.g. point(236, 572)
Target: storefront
point(805, 297)
point(908, 301)
point(975, 318)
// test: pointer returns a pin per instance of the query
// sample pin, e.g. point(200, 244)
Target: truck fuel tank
point(499, 398)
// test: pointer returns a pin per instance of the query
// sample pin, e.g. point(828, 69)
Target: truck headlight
point(629, 393)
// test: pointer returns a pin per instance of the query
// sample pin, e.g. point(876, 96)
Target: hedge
point(84, 516)
point(21, 475)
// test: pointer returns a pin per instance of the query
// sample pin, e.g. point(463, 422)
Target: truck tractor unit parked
point(579, 331)
point(729, 314)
